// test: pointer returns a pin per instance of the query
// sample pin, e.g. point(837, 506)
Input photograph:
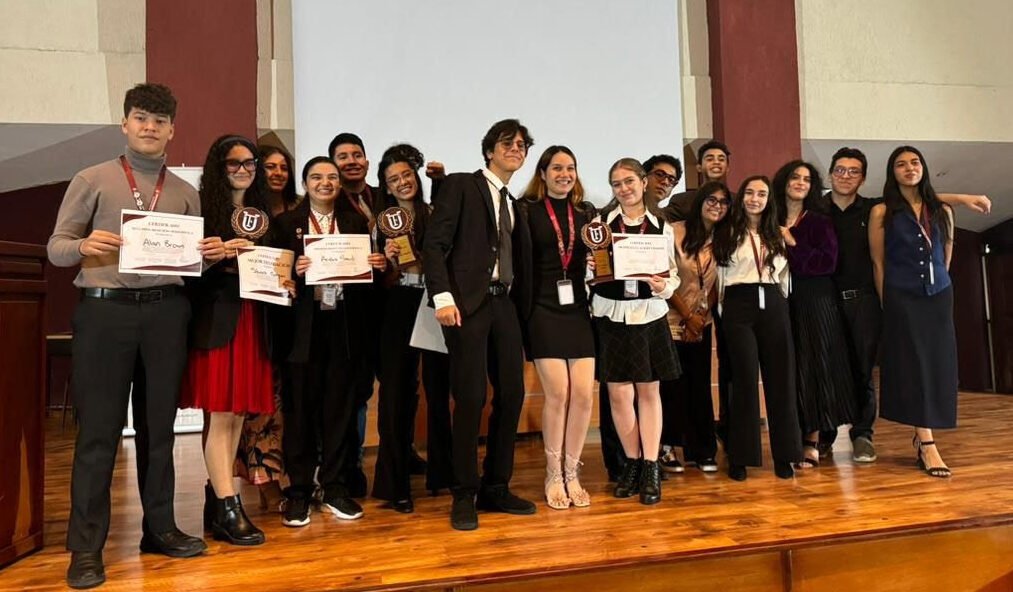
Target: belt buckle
point(149, 296)
point(849, 294)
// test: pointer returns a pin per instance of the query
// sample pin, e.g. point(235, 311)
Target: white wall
point(599, 76)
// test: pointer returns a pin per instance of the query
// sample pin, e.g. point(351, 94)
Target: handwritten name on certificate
point(338, 259)
point(639, 256)
point(155, 243)
point(264, 273)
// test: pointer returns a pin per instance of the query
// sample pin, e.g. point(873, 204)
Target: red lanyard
point(622, 225)
point(136, 192)
point(758, 256)
point(799, 219)
point(316, 225)
point(564, 255)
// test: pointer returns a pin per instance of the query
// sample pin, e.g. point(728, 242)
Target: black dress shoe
point(650, 483)
point(499, 499)
point(231, 524)
point(463, 515)
point(629, 481)
point(405, 506)
point(416, 464)
point(174, 543)
point(737, 472)
point(86, 570)
point(783, 470)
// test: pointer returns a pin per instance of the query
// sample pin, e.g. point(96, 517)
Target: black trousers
point(760, 339)
point(399, 386)
point(320, 411)
point(686, 402)
point(110, 338)
point(365, 377)
point(864, 320)
point(488, 341)
point(724, 374)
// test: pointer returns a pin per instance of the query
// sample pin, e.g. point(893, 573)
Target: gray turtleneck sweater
point(94, 200)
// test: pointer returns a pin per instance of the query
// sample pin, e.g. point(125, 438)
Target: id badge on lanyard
point(329, 297)
point(630, 288)
point(564, 290)
point(763, 298)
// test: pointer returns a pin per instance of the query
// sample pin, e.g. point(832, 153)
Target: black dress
point(556, 330)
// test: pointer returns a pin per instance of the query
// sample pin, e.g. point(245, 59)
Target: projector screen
point(599, 76)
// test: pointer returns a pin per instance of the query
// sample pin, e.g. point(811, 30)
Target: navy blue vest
point(913, 264)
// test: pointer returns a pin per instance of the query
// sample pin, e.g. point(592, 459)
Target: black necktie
point(506, 267)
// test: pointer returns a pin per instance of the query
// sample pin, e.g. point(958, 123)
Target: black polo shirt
point(854, 263)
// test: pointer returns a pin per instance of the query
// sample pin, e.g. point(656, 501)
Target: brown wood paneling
point(969, 311)
point(22, 349)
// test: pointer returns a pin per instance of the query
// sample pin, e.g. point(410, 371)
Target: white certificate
point(639, 256)
point(155, 243)
point(426, 333)
point(263, 273)
point(338, 259)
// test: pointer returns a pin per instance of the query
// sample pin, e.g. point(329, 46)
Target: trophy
point(249, 223)
point(598, 237)
point(397, 225)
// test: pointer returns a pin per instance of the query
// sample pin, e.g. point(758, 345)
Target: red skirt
point(234, 378)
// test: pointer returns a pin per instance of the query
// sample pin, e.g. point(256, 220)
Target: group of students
point(792, 278)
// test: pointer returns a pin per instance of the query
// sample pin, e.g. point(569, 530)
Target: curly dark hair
point(668, 159)
point(150, 97)
point(411, 156)
point(895, 202)
point(696, 234)
point(732, 230)
point(505, 129)
point(216, 191)
point(779, 190)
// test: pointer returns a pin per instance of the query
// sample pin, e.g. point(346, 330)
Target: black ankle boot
point(783, 470)
point(209, 505)
point(629, 481)
point(737, 472)
point(650, 483)
point(230, 523)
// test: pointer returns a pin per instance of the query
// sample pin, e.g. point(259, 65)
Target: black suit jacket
point(294, 326)
point(462, 239)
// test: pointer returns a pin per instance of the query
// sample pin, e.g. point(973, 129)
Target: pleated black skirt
point(635, 353)
point(918, 370)
point(826, 392)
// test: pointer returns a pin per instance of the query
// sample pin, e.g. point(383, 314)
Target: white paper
point(427, 333)
point(639, 256)
point(156, 243)
point(263, 272)
point(338, 259)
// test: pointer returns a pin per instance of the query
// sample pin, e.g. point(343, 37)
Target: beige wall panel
point(284, 105)
point(282, 30)
point(918, 69)
point(53, 87)
point(121, 26)
point(51, 25)
point(123, 71)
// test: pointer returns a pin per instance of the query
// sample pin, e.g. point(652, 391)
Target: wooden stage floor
point(838, 526)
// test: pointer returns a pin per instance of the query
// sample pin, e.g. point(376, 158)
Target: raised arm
point(978, 203)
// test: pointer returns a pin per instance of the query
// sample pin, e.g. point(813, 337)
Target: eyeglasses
point(519, 144)
point(233, 166)
point(840, 171)
point(715, 201)
point(664, 177)
point(395, 180)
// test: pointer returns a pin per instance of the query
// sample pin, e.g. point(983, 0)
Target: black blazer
point(294, 330)
point(461, 240)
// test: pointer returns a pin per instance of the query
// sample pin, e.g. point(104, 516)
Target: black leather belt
point(126, 295)
point(498, 288)
point(850, 294)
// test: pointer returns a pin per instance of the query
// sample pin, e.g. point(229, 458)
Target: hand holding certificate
point(338, 259)
point(265, 274)
point(640, 256)
point(155, 243)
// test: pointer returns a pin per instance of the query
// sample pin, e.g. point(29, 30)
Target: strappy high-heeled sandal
point(578, 495)
point(941, 472)
point(807, 462)
point(555, 490)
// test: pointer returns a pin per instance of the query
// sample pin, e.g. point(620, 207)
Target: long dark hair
point(895, 201)
point(410, 155)
point(537, 191)
point(696, 233)
point(779, 189)
point(632, 164)
point(216, 191)
point(288, 195)
point(732, 230)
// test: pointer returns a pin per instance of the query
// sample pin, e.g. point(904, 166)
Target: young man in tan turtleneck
point(125, 323)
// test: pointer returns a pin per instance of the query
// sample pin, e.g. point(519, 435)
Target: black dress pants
point(687, 403)
point(724, 376)
point(399, 384)
point(322, 408)
point(110, 337)
point(864, 321)
point(488, 341)
point(759, 341)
